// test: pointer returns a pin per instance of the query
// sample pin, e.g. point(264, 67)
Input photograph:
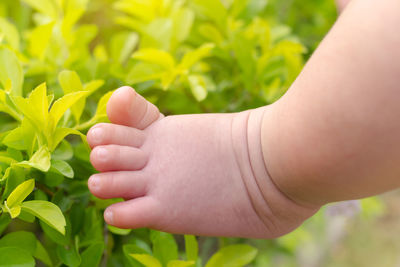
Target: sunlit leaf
point(47, 212)
point(195, 56)
point(165, 248)
point(61, 105)
point(39, 38)
point(155, 56)
point(62, 167)
point(20, 193)
point(11, 70)
point(10, 32)
point(40, 160)
point(46, 7)
point(147, 260)
point(233, 256)
point(178, 263)
point(191, 247)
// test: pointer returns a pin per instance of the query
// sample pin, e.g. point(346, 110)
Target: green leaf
point(22, 137)
point(11, 70)
point(15, 177)
point(62, 167)
point(233, 256)
point(177, 263)
point(27, 217)
point(122, 46)
point(46, 7)
point(14, 211)
point(73, 10)
point(70, 82)
point(4, 222)
point(183, 22)
point(15, 257)
point(41, 254)
point(61, 133)
point(155, 56)
point(10, 32)
point(63, 151)
point(54, 235)
point(20, 239)
point(118, 231)
point(146, 260)
point(63, 104)
point(164, 246)
point(192, 248)
point(69, 257)
point(198, 87)
point(93, 86)
point(47, 212)
point(92, 255)
point(39, 39)
point(35, 107)
point(20, 193)
point(40, 160)
point(195, 56)
point(212, 9)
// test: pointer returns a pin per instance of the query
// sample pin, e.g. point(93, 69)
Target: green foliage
point(60, 61)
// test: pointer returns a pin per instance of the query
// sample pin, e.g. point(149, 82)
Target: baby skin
point(193, 174)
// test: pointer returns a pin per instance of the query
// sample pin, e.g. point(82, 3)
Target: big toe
point(126, 107)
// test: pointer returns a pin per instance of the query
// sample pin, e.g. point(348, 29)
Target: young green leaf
point(147, 260)
point(177, 263)
point(70, 82)
point(20, 193)
point(61, 105)
point(40, 160)
point(47, 212)
point(22, 137)
point(46, 7)
point(10, 32)
point(11, 70)
point(192, 248)
point(195, 56)
point(39, 39)
point(233, 256)
point(155, 56)
point(164, 246)
point(198, 87)
point(61, 133)
point(118, 231)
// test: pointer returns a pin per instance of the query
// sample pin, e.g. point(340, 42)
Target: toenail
point(109, 216)
point(96, 134)
point(102, 153)
point(94, 183)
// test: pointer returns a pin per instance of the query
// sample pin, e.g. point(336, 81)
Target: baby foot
point(192, 174)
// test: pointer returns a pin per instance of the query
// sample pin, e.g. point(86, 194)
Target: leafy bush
point(59, 61)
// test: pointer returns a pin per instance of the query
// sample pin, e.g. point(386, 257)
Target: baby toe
point(108, 134)
point(126, 107)
point(135, 213)
point(127, 185)
point(117, 158)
